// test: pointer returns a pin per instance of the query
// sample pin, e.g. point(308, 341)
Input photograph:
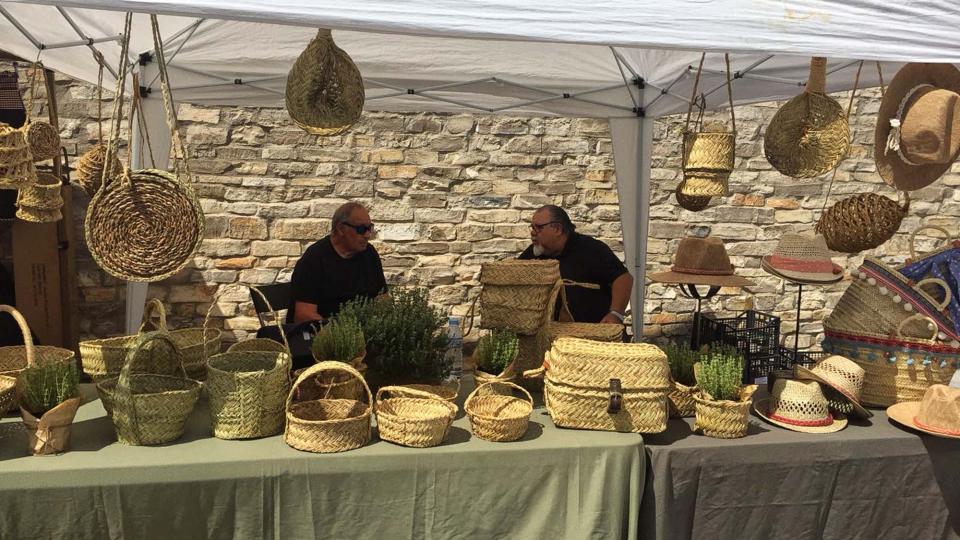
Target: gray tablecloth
point(872, 481)
point(552, 484)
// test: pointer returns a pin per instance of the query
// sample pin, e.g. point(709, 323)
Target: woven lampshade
point(324, 88)
point(809, 135)
point(861, 222)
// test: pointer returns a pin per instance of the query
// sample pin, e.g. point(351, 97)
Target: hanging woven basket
point(808, 136)
point(861, 222)
point(89, 169)
point(324, 93)
point(693, 203)
point(16, 162)
point(708, 150)
point(41, 202)
point(44, 140)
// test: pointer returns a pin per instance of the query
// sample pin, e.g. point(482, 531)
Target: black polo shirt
point(324, 278)
point(586, 260)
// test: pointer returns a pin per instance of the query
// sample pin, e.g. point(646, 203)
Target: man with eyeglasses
point(337, 268)
point(583, 259)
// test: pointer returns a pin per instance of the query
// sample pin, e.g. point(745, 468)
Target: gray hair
point(560, 216)
point(343, 213)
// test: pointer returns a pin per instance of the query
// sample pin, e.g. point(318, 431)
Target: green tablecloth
point(552, 484)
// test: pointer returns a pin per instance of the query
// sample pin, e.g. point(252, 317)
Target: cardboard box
point(36, 275)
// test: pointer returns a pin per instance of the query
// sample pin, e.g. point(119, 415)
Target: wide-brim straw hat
point(937, 414)
point(799, 406)
point(803, 259)
point(925, 100)
point(701, 261)
point(841, 374)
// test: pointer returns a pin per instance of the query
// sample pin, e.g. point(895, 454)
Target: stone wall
point(449, 192)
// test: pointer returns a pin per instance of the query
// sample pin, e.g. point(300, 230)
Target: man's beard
point(537, 250)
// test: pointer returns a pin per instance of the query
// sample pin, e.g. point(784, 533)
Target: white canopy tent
point(626, 61)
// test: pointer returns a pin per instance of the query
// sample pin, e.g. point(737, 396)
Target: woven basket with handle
point(327, 425)
point(496, 414)
point(150, 408)
point(411, 417)
point(14, 358)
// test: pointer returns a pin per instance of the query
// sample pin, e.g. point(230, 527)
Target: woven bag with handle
point(14, 358)
point(327, 425)
point(496, 414)
point(411, 417)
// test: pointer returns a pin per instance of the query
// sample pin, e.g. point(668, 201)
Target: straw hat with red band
point(799, 405)
point(701, 261)
point(938, 413)
point(840, 374)
point(802, 259)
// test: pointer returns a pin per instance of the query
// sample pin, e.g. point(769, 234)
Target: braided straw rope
point(721, 419)
point(149, 408)
point(708, 152)
point(41, 202)
point(516, 295)
point(324, 94)
point(16, 163)
point(411, 417)
point(498, 416)
point(43, 138)
point(682, 404)
point(809, 135)
point(14, 358)
point(327, 425)
point(861, 222)
point(89, 166)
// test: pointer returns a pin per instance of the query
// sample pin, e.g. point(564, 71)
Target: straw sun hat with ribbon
point(918, 125)
point(799, 405)
point(802, 259)
point(938, 413)
point(842, 375)
point(701, 261)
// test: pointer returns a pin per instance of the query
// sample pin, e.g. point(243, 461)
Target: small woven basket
point(327, 425)
point(324, 94)
point(41, 202)
point(693, 203)
point(496, 415)
point(16, 163)
point(721, 419)
point(861, 222)
point(412, 417)
point(707, 163)
point(149, 408)
point(445, 391)
point(517, 295)
point(89, 169)
point(44, 140)
point(682, 404)
point(15, 358)
point(333, 385)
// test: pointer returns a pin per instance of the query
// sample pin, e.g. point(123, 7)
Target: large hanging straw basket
point(41, 202)
point(861, 222)
point(89, 169)
point(496, 415)
point(14, 358)
point(327, 425)
point(149, 408)
point(682, 404)
point(412, 417)
point(723, 419)
point(16, 163)
point(44, 140)
point(517, 295)
point(324, 94)
point(809, 135)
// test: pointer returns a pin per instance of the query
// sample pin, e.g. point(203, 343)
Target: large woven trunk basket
point(248, 390)
point(606, 386)
point(327, 425)
point(150, 408)
point(517, 295)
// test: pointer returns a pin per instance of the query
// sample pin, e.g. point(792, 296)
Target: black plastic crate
point(754, 334)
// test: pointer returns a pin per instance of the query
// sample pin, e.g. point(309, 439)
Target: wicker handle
point(276, 317)
point(947, 295)
point(489, 386)
point(24, 329)
point(931, 323)
point(407, 392)
point(320, 367)
point(913, 237)
point(534, 373)
point(154, 305)
point(817, 83)
point(138, 344)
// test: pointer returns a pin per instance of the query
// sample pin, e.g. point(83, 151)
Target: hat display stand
point(690, 290)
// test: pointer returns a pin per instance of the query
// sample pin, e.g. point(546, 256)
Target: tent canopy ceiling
point(565, 58)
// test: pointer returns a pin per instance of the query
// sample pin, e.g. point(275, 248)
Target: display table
point(872, 480)
point(552, 484)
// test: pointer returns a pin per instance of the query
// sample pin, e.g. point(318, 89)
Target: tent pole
point(644, 146)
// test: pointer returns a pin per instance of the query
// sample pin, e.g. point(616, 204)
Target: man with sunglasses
point(584, 260)
point(337, 268)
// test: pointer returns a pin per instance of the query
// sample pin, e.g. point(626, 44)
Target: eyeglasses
point(537, 227)
point(361, 229)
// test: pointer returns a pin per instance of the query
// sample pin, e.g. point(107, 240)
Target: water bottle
point(455, 347)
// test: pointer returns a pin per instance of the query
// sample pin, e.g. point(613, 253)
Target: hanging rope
point(853, 93)
point(116, 118)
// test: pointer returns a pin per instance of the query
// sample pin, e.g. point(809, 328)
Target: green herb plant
point(681, 359)
point(496, 350)
point(341, 339)
point(405, 337)
point(721, 372)
point(47, 385)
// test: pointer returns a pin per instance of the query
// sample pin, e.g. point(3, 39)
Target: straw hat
point(937, 414)
point(324, 93)
point(840, 374)
point(803, 259)
point(799, 406)
point(701, 261)
point(918, 125)
point(809, 135)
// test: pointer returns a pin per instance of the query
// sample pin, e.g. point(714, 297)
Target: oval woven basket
point(44, 140)
point(327, 425)
point(41, 202)
point(446, 391)
point(497, 415)
point(682, 404)
point(89, 168)
point(15, 358)
point(324, 93)
point(16, 163)
point(149, 408)
point(144, 227)
point(861, 222)
point(411, 417)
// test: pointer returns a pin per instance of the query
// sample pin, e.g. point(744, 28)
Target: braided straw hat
point(324, 88)
point(798, 406)
point(802, 259)
point(918, 125)
point(938, 413)
point(809, 135)
point(840, 374)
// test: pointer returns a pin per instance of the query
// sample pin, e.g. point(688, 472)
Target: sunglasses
point(361, 229)
point(537, 227)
